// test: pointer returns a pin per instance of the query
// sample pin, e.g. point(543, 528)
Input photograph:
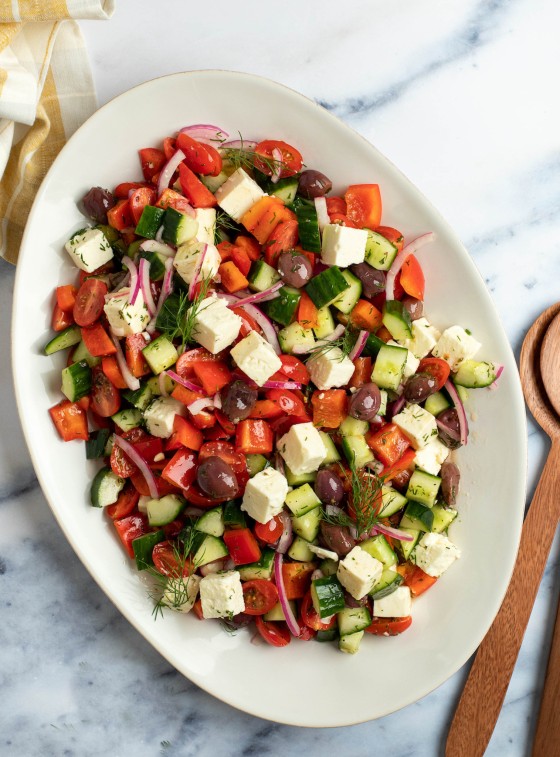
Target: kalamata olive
point(365, 403)
point(328, 487)
point(450, 435)
point(216, 478)
point(349, 600)
point(450, 478)
point(313, 184)
point(295, 269)
point(415, 307)
point(237, 621)
point(97, 202)
point(373, 281)
point(419, 387)
point(336, 538)
point(238, 399)
point(400, 481)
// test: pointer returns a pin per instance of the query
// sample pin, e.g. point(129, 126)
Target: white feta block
point(160, 414)
point(255, 357)
point(330, 368)
point(424, 338)
point(435, 553)
point(238, 193)
point(215, 325)
point(206, 218)
point(432, 457)
point(302, 448)
point(180, 593)
point(187, 259)
point(89, 249)
point(418, 424)
point(221, 595)
point(264, 495)
point(126, 319)
point(455, 346)
point(412, 362)
point(343, 245)
point(398, 604)
point(359, 572)
point(324, 554)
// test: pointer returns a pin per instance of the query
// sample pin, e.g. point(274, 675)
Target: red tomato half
point(90, 300)
point(276, 634)
point(310, 617)
point(269, 532)
point(125, 504)
point(292, 160)
point(287, 401)
point(294, 369)
point(120, 464)
point(260, 596)
point(139, 199)
point(202, 159)
point(105, 398)
point(168, 560)
point(152, 160)
point(437, 368)
point(389, 626)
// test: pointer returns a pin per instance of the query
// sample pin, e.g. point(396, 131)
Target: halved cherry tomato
point(120, 216)
point(389, 626)
point(436, 368)
point(125, 504)
point(282, 425)
point(169, 562)
point(171, 199)
point(169, 147)
point(122, 191)
point(138, 201)
point(393, 235)
point(287, 401)
point(276, 634)
point(248, 325)
point(336, 205)
point(60, 320)
point(260, 596)
point(193, 495)
point(120, 463)
point(291, 160)
point(105, 398)
point(191, 186)
point(186, 361)
point(310, 617)
point(270, 531)
point(152, 161)
point(89, 303)
point(202, 159)
point(283, 238)
point(306, 633)
point(294, 369)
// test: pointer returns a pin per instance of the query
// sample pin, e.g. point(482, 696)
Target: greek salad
point(273, 413)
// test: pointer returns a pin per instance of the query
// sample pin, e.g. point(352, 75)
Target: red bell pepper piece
point(363, 205)
point(133, 346)
point(61, 319)
point(184, 435)
point(191, 186)
point(120, 216)
point(181, 469)
point(66, 297)
point(70, 420)
point(212, 375)
point(131, 528)
point(242, 546)
point(389, 444)
point(254, 436)
point(97, 340)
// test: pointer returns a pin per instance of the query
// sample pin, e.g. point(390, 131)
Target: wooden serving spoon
point(484, 692)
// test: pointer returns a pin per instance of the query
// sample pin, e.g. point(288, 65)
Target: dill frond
point(180, 320)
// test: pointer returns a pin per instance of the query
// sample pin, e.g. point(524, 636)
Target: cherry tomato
point(389, 626)
point(294, 369)
point(283, 238)
point(168, 560)
point(260, 596)
point(336, 205)
point(393, 235)
point(287, 401)
point(270, 531)
point(169, 146)
point(121, 465)
point(152, 160)
point(125, 504)
point(186, 361)
point(202, 159)
point(437, 369)
point(90, 300)
point(306, 633)
point(291, 158)
point(139, 199)
point(105, 398)
point(310, 617)
point(195, 497)
point(276, 634)
point(123, 190)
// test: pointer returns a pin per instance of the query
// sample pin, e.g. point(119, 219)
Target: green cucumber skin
point(308, 224)
point(327, 286)
point(283, 308)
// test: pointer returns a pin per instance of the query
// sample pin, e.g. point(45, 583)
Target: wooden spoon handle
point(484, 692)
point(547, 738)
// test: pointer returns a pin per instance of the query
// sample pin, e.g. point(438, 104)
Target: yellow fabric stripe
point(28, 163)
point(3, 77)
point(42, 10)
point(7, 33)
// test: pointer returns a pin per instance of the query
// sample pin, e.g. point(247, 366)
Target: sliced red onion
point(134, 279)
point(131, 381)
point(319, 266)
point(184, 382)
point(229, 298)
point(461, 414)
point(336, 334)
point(152, 245)
point(291, 621)
point(279, 465)
point(144, 276)
point(140, 463)
point(449, 430)
point(159, 234)
point(278, 165)
point(266, 326)
point(282, 385)
point(394, 533)
point(197, 270)
point(208, 134)
point(499, 369)
point(198, 405)
point(161, 384)
point(286, 538)
point(409, 249)
point(217, 401)
point(240, 144)
point(394, 408)
point(212, 567)
point(322, 212)
point(166, 289)
point(260, 296)
point(358, 347)
point(168, 170)
point(317, 573)
point(117, 295)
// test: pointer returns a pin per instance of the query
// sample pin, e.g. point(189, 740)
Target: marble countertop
point(463, 98)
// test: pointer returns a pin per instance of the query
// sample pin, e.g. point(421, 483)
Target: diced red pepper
point(388, 444)
point(212, 375)
point(97, 340)
point(254, 437)
point(61, 319)
point(70, 420)
point(120, 216)
point(184, 435)
point(66, 297)
point(131, 528)
point(181, 469)
point(133, 346)
point(242, 546)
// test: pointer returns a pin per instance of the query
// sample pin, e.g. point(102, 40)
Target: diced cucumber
point(160, 354)
point(282, 309)
point(212, 548)
point(277, 613)
point(234, 517)
point(82, 353)
point(389, 367)
point(389, 581)
point(378, 547)
point(295, 479)
point(436, 403)
point(346, 301)
point(380, 253)
point(76, 380)
point(178, 228)
point(64, 339)
point(262, 276)
point(285, 189)
point(327, 286)
point(128, 418)
point(327, 596)
point(329, 567)
point(307, 526)
point(393, 501)
point(213, 183)
point(330, 634)
point(356, 450)
point(143, 547)
point(350, 644)
point(308, 225)
point(105, 488)
point(150, 221)
point(474, 374)
point(423, 487)
point(164, 510)
point(418, 517)
point(211, 522)
point(353, 619)
point(333, 455)
point(353, 427)
point(372, 346)
point(396, 320)
point(302, 499)
point(153, 385)
point(325, 323)
point(96, 444)
point(383, 406)
point(405, 548)
point(299, 550)
point(255, 464)
point(111, 234)
point(157, 264)
point(443, 518)
point(261, 569)
point(140, 398)
point(294, 336)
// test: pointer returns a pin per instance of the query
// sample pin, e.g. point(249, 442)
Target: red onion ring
point(152, 245)
point(184, 382)
point(461, 414)
point(286, 537)
point(291, 621)
point(409, 249)
point(395, 407)
point(195, 407)
point(140, 463)
point(166, 289)
point(134, 279)
point(266, 326)
point(278, 165)
point(144, 276)
point(394, 533)
point(260, 296)
point(499, 370)
point(131, 381)
point(240, 144)
point(359, 345)
point(322, 212)
point(196, 275)
point(208, 134)
point(168, 170)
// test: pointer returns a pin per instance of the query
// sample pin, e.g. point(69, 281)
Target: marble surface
point(463, 98)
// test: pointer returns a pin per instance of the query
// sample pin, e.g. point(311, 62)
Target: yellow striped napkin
point(46, 92)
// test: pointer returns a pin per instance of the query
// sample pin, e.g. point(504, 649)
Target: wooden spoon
point(484, 692)
point(547, 737)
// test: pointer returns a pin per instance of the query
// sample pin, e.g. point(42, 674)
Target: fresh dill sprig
point(173, 591)
point(364, 499)
point(226, 223)
point(246, 157)
point(180, 320)
point(343, 343)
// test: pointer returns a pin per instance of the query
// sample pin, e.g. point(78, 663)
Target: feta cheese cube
point(435, 553)
point(330, 368)
point(359, 572)
point(418, 424)
point(221, 595)
point(126, 319)
point(412, 363)
point(264, 495)
point(302, 448)
point(187, 259)
point(238, 193)
point(160, 414)
point(89, 249)
point(180, 593)
point(398, 604)
point(255, 356)
point(424, 338)
point(455, 345)
point(215, 325)
point(206, 218)
point(343, 245)
point(431, 458)
point(324, 554)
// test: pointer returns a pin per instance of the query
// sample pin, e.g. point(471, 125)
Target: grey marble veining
point(463, 98)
